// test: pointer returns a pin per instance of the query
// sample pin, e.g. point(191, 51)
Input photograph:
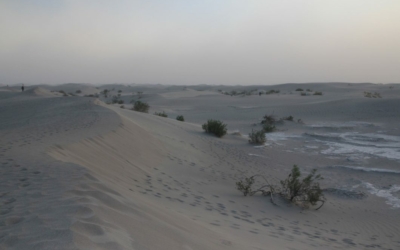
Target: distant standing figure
point(22, 88)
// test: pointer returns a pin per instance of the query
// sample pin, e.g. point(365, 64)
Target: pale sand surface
point(79, 174)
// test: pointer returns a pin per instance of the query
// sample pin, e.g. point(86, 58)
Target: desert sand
point(80, 173)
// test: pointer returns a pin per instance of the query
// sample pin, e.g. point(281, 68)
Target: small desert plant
point(306, 190)
point(303, 93)
point(162, 114)
point(105, 92)
point(268, 128)
point(268, 119)
point(63, 92)
point(372, 95)
point(78, 91)
point(119, 91)
point(299, 89)
point(245, 185)
point(114, 100)
point(215, 127)
point(180, 118)
point(317, 93)
point(141, 107)
point(122, 106)
point(120, 101)
point(308, 90)
point(288, 118)
point(257, 137)
point(272, 92)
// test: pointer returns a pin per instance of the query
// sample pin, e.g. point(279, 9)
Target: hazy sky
point(195, 42)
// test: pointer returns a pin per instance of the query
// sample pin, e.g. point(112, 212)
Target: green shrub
point(272, 92)
point(215, 127)
point(268, 119)
point(257, 137)
point(180, 118)
point(299, 89)
point(122, 106)
point(63, 93)
point(78, 91)
point(317, 93)
point(141, 107)
point(120, 101)
point(245, 186)
point(162, 114)
point(268, 128)
point(306, 190)
point(288, 118)
point(303, 93)
point(114, 99)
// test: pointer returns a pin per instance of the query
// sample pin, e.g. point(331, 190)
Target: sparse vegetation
point(269, 92)
point(288, 118)
point(215, 127)
point(303, 93)
point(114, 100)
point(105, 92)
point(162, 114)
point(317, 93)
point(180, 118)
point(141, 107)
point(257, 137)
point(78, 91)
point(372, 95)
point(269, 119)
point(63, 92)
point(299, 89)
point(245, 186)
point(304, 192)
point(268, 128)
point(122, 106)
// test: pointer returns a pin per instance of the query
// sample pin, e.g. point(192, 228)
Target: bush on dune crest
point(305, 192)
point(141, 107)
point(162, 114)
point(180, 118)
point(215, 127)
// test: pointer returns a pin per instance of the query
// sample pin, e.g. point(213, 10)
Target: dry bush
point(305, 192)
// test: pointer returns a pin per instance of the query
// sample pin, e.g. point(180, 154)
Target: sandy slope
point(156, 183)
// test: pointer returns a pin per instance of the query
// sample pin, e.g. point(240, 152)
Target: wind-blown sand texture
point(80, 174)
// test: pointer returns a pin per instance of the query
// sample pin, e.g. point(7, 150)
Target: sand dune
point(103, 177)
